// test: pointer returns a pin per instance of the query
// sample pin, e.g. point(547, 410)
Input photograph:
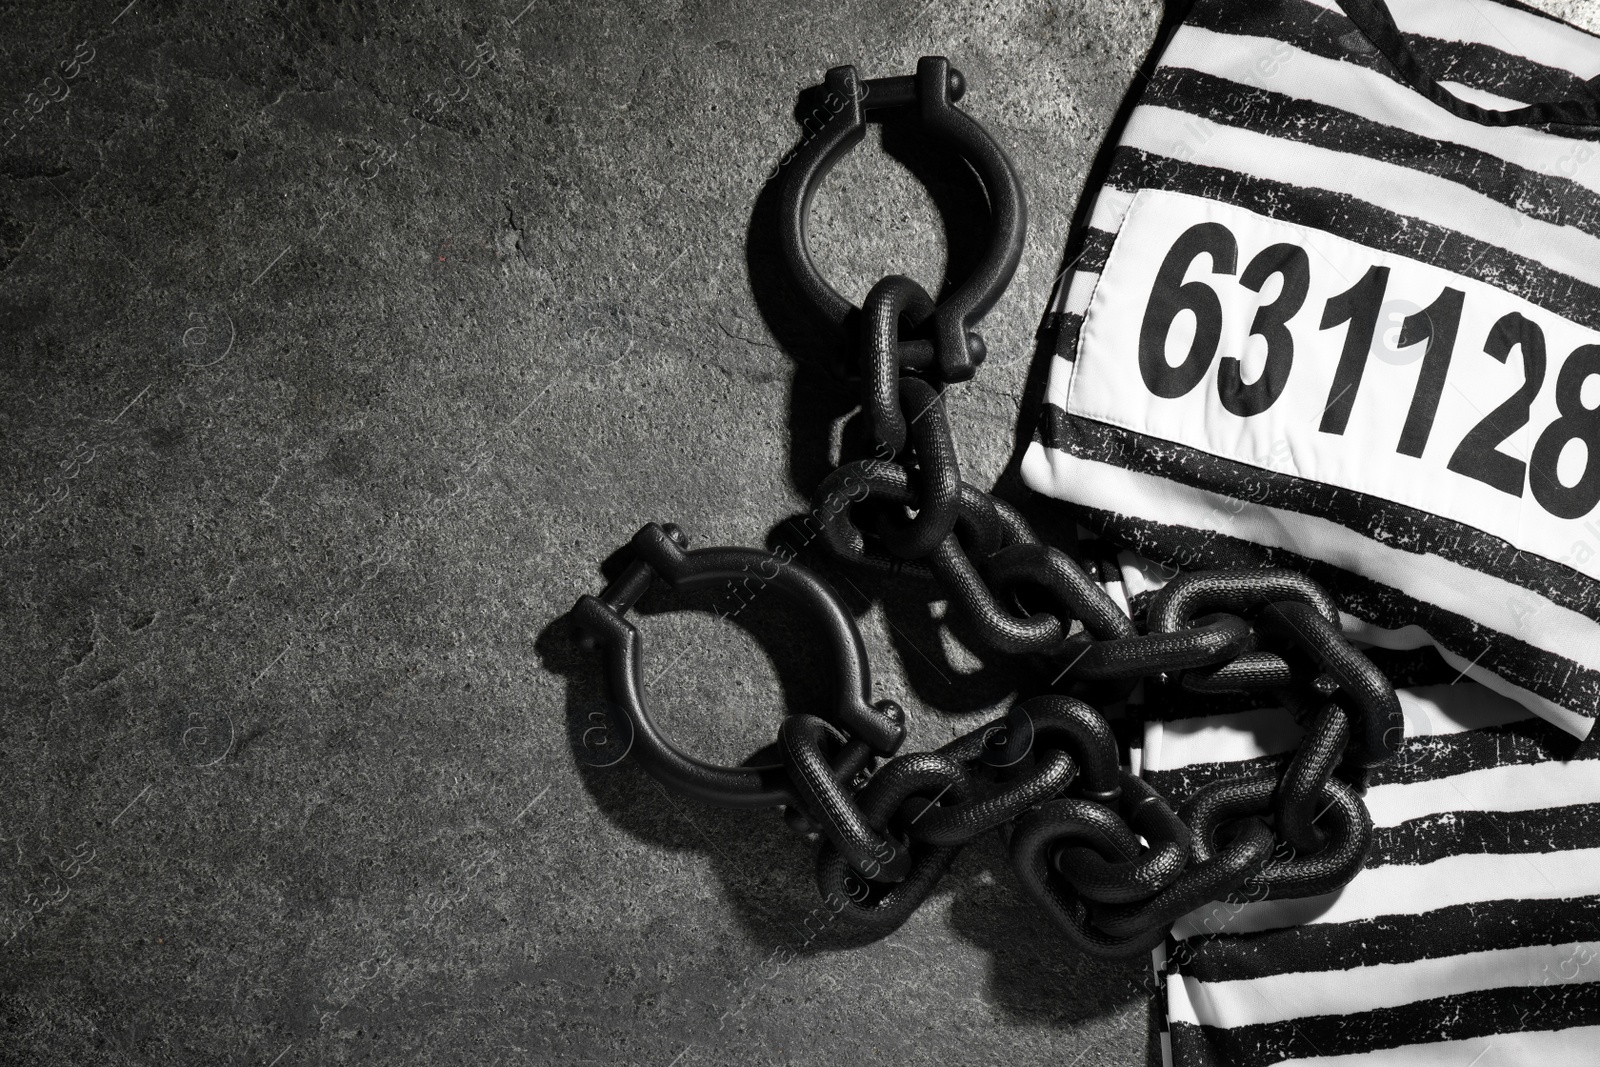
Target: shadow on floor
point(1034, 974)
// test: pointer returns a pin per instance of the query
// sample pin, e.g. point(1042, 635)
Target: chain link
point(1106, 857)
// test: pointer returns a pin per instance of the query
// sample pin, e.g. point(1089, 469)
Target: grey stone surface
point(317, 416)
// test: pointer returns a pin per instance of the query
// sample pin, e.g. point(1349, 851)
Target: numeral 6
point(1171, 296)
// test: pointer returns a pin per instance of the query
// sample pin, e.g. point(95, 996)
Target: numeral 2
point(1477, 455)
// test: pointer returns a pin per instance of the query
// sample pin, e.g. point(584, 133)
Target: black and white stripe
point(1285, 109)
point(1470, 938)
point(1473, 926)
point(1476, 50)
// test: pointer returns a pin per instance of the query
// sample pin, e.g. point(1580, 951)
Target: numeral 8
point(1577, 423)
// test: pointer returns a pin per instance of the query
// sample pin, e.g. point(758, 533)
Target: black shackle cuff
point(872, 729)
point(927, 97)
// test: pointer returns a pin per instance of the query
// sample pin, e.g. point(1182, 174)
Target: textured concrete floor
point(317, 416)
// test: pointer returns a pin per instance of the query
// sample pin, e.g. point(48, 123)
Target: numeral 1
point(1359, 306)
point(1437, 324)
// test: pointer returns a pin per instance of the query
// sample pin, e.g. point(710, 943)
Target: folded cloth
point(1470, 937)
point(1336, 308)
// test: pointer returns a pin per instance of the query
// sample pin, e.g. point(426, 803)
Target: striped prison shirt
point(1337, 308)
point(1471, 937)
point(1330, 313)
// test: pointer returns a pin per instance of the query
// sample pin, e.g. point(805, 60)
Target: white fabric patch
point(1279, 346)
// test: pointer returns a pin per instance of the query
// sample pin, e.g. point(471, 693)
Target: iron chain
point(1107, 858)
point(1104, 854)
